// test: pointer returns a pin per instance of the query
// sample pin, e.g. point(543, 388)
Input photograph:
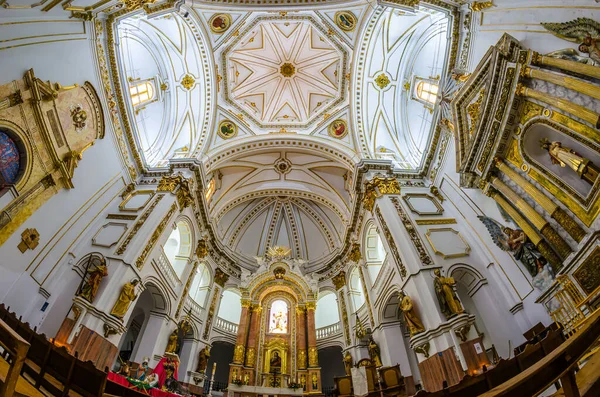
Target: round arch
point(373, 250)
point(179, 245)
point(355, 289)
point(200, 287)
point(327, 312)
point(160, 298)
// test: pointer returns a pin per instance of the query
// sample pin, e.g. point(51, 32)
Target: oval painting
point(219, 23)
point(345, 20)
point(227, 129)
point(338, 129)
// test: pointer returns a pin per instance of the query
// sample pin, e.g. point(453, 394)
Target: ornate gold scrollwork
point(355, 254)
point(377, 187)
point(221, 277)
point(340, 280)
point(423, 349)
point(301, 358)
point(313, 357)
point(238, 354)
point(250, 357)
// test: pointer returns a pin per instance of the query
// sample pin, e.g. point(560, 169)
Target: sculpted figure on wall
point(584, 31)
point(127, 296)
point(444, 289)
point(569, 158)
point(375, 353)
point(94, 277)
point(412, 320)
point(348, 363)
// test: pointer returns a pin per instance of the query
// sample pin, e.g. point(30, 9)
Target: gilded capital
point(340, 280)
point(246, 303)
point(311, 306)
point(377, 187)
point(221, 277)
point(300, 310)
point(354, 255)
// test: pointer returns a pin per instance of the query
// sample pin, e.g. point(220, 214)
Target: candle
point(214, 367)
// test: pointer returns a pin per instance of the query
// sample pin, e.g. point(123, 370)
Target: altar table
point(120, 379)
point(246, 390)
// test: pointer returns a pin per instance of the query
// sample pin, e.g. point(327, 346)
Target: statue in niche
point(275, 362)
point(584, 31)
point(567, 157)
point(348, 363)
point(94, 277)
point(413, 322)
point(125, 298)
point(444, 290)
point(375, 353)
point(203, 357)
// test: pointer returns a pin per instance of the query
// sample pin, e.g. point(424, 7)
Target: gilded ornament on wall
point(382, 81)
point(221, 277)
point(339, 280)
point(188, 81)
point(345, 20)
point(338, 129)
point(412, 232)
point(219, 23)
point(588, 274)
point(30, 238)
point(377, 187)
point(480, 5)
point(355, 254)
point(79, 117)
point(201, 249)
point(238, 354)
point(391, 243)
point(313, 357)
point(227, 129)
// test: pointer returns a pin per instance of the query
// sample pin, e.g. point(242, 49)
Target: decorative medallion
point(188, 82)
point(227, 129)
point(382, 81)
point(287, 69)
point(79, 116)
point(338, 129)
point(219, 23)
point(30, 238)
point(345, 20)
point(283, 166)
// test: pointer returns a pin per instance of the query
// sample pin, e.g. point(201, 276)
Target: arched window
point(427, 91)
point(178, 246)
point(374, 252)
point(142, 92)
point(356, 290)
point(200, 285)
point(230, 308)
point(278, 317)
point(12, 158)
point(327, 310)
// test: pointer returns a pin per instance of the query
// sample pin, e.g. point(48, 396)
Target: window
point(327, 310)
point(178, 247)
point(427, 91)
point(200, 285)
point(356, 290)
point(374, 252)
point(142, 93)
point(278, 319)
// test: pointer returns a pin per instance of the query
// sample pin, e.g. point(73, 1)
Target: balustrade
point(226, 326)
point(330, 330)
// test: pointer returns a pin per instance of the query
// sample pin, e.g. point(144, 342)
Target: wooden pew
point(87, 380)
point(57, 372)
point(343, 386)
point(470, 386)
point(36, 359)
point(531, 355)
point(557, 365)
point(17, 349)
point(503, 371)
point(392, 381)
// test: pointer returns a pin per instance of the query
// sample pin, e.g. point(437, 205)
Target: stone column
point(313, 358)
point(562, 80)
point(301, 337)
point(152, 339)
point(242, 336)
point(557, 213)
point(558, 243)
point(252, 345)
point(537, 240)
point(564, 64)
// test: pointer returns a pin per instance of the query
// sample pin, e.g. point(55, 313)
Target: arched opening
point(230, 308)
point(178, 246)
point(327, 312)
point(374, 252)
point(356, 290)
point(221, 353)
point(201, 285)
point(332, 365)
point(278, 317)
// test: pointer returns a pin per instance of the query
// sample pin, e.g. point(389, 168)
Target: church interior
point(323, 198)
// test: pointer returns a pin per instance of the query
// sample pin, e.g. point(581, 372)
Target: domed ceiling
point(278, 106)
point(283, 72)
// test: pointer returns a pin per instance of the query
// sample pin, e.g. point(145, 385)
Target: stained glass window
point(278, 323)
point(10, 160)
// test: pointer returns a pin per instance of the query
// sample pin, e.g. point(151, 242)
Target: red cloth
point(162, 374)
point(120, 379)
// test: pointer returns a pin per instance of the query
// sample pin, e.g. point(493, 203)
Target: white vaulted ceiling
point(283, 72)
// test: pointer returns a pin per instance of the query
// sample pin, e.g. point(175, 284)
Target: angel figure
point(516, 242)
point(584, 31)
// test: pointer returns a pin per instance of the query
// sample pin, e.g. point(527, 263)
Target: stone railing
point(226, 326)
point(330, 330)
point(193, 306)
point(167, 270)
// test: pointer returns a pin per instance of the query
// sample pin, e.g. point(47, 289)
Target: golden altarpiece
point(276, 345)
point(526, 133)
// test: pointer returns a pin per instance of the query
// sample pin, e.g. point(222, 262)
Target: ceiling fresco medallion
point(219, 23)
point(382, 81)
point(345, 20)
point(284, 72)
point(338, 129)
point(188, 82)
point(227, 129)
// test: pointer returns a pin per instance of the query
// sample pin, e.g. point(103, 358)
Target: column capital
point(377, 187)
point(311, 306)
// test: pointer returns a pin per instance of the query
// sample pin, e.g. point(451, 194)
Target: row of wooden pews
point(50, 369)
point(390, 382)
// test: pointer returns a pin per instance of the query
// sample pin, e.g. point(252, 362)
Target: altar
point(255, 391)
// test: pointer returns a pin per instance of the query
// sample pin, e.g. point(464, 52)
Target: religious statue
point(125, 368)
point(444, 290)
point(142, 370)
point(567, 157)
point(374, 353)
point(315, 381)
point(125, 298)
point(246, 379)
point(584, 31)
point(203, 357)
point(176, 338)
point(516, 242)
point(171, 384)
point(413, 322)
point(95, 276)
point(275, 362)
point(348, 363)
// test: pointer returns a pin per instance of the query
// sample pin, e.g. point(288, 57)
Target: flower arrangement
point(237, 381)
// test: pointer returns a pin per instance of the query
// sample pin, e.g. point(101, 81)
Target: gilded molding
point(238, 354)
point(345, 318)
point(569, 224)
point(443, 221)
point(138, 225)
point(313, 357)
point(557, 242)
point(186, 289)
point(339, 281)
point(355, 254)
point(412, 232)
point(250, 357)
point(377, 187)
point(301, 358)
point(211, 313)
point(139, 263)
point(366, 293)
point(391, 243)
point(221, 277)
point(588, 273)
